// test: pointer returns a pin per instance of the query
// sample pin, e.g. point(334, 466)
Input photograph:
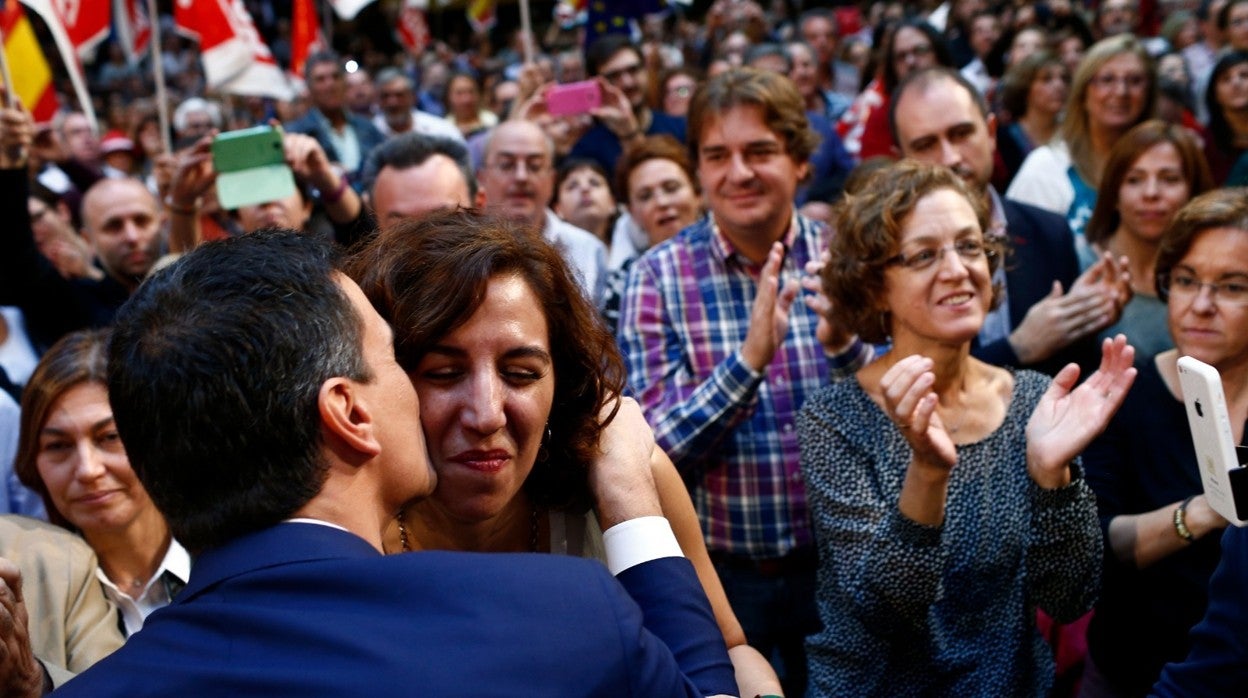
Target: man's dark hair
point(784, 110)
point(318, 58)
point(819, 13)
point(214, 372)
point(412, 150)
point(924, 79)
point(604, 49)
point(940, 47)
point(759, 51)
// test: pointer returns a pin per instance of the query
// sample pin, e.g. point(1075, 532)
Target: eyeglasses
point(618, 73)
point(1184, 287)
point(968, 250)
point(916, 52)
point(1133, 82)
point(512, 166)
point(680, 90)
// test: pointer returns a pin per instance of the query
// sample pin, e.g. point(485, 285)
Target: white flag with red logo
point(236, 59)
point(412, 28)
point(348, 9)
point(134, 30)
point(86, 24)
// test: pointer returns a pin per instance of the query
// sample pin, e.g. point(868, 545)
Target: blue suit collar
point(282, 544)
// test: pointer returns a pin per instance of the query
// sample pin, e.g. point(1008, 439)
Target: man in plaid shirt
point(721, 358)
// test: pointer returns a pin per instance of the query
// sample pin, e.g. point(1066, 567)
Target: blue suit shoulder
point(1036, 222)
point(350, 622)
point(1217, 664)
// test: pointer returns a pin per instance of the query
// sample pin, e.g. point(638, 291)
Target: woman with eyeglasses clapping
point(946, 494)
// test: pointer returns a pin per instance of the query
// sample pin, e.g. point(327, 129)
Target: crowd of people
point(841, 341)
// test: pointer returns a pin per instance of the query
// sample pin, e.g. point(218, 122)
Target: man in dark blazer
point(1051, 312)
point(262, 406)
point(347, 138)
point(1217, 664)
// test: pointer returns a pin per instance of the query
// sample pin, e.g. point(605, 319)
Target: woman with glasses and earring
point(947, 496)
point(1161, 536)
point(1114, 89)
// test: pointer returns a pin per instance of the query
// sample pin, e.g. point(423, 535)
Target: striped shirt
point(730, 430)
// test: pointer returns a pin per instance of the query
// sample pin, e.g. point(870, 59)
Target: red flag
point(32, 83)
point(236, 59)
point(412, 28)
point(305, 36)
point(134, 30)
point(86, 23)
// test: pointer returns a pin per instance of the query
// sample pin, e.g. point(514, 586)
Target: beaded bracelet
point(1180, 520)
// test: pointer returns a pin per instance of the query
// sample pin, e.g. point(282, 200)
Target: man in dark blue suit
point(260, 402)
point(1051, 312)
point(1217, 664)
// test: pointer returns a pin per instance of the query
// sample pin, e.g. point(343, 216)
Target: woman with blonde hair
point(1114, 89)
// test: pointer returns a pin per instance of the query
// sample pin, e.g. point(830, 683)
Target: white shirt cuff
point(639, 540)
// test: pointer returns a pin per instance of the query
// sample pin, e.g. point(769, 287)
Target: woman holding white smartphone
point(1161, 536)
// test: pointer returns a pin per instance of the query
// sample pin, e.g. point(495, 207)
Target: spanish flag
point(32, 76)
point(481, 15)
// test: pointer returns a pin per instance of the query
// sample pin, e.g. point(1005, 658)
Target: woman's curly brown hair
point(868, 233)
point(428, 275)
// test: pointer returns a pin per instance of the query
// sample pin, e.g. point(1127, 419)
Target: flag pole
point(158, 70)
point(10, 94)
point(526, 28)
point(328, 22)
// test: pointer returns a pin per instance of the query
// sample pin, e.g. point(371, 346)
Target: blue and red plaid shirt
point(731, 431)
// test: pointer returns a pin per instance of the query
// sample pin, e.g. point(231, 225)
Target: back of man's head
point(214, 372)
point(412, 150)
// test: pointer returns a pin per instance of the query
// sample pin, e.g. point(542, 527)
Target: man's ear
point(345, 416)
point(480, 198)
point(991, 123)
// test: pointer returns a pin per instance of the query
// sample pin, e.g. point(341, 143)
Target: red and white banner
point(348, 9)
point(412, 28)
point(65, 46)
point(236, 59)
point(306, 37)
point(134, 30)
point(86, 24)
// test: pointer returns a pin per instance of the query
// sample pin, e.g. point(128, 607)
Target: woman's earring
point(543, 450)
